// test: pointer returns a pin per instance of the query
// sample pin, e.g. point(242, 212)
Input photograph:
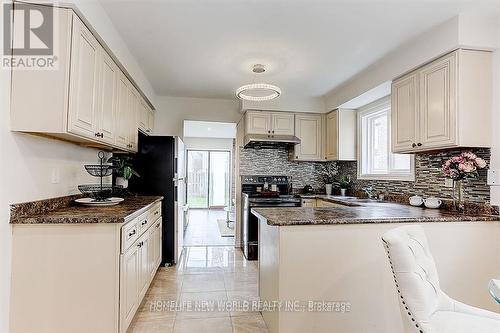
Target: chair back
point(414, 273)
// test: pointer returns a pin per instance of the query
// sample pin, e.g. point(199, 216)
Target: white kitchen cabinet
point(257, 122)
point(116, 264)
point(145, 264)
point(448, 102)
point(340, 139)
point(133, 111)
point(122, 124)
point(142, 117)
point(272, 123)
point(85, 52)
point(404, 123)
point(82, 100)
point(282, 123)
point(151, 121)
point(130, 277)
point(106, 110)
point(309, 129)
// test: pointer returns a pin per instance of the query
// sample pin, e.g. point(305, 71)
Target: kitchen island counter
point(340, 261)
point(355, 211)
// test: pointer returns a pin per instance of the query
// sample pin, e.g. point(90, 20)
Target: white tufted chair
point(427, 308)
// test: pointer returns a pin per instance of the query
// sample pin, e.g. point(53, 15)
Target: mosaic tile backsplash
point(429, 181)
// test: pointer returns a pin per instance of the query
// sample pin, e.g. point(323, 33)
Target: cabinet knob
point(145, 222)
point(414, 145)
point(268, 131)
point(272, 131)
point(130, 234)
point(296, 157)
point(419, 144)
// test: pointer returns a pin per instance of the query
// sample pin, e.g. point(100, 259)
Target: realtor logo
point(28, 36)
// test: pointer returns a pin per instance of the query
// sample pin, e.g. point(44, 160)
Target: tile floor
point(205, 274)
point(203, 230)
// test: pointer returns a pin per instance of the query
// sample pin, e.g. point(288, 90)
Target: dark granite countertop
point(361, 211)
point(73, 213)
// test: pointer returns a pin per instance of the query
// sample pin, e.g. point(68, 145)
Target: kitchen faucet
point(370, 192)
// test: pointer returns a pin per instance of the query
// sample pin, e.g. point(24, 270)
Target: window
point(374, 139)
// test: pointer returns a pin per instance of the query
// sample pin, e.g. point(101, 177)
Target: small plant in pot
point(330, 170)
point(123, 169)
point(344, 183)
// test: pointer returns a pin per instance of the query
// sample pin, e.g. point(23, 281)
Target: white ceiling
point(206, 48)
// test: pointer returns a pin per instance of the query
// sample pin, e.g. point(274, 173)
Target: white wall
point(495, 150)
point(172, 111)
point(208, 143)
point(288, 103)
point(467, 31)
point(28, 162)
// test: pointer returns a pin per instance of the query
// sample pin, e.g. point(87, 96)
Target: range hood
point(258, 141)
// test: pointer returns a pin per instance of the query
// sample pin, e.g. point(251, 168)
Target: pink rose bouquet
point(463, 166)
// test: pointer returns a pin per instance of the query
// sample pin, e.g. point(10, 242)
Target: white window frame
point(380, 106)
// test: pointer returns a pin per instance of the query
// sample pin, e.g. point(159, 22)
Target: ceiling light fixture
point(258, 92)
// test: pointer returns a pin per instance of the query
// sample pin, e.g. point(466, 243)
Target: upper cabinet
point(272, 123)
point(444, 104)
point(85, 54)
point(309, 129)
point(86, 99)
point(340, 135)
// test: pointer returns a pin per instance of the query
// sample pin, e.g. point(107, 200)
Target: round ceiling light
point(258, 92)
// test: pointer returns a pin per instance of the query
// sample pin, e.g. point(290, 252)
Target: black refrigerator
point(160, 164)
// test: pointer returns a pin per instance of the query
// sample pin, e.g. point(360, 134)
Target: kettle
point(308, 189)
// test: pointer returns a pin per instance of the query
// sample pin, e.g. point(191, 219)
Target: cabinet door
point(309, 129)
point(258, 122)
point(282, 123)
point(437, 108)
point(122, 111)
point(404, 113)
point(143, 116)
point(151, 121)
point(134, 107)
point(83, 81)
point(129, 286)
point(144, 264)
point(332, 136)
point(106, 111)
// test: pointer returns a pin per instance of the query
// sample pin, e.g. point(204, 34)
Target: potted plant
point(330, 170)
point(123, 169)
point(344, 183)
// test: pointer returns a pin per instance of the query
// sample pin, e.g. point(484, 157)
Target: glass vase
point(458, 204)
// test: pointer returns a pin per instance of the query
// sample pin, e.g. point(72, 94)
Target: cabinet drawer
point(143, 222)
point(130, 233)
point(154, 212)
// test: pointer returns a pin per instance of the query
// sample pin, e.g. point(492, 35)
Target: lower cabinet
point(138, 267)
point(83, 277)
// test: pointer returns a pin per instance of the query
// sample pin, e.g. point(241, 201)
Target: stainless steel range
point(261, 191)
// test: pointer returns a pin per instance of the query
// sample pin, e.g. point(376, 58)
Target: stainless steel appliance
point(253, 195)
point(270, 141)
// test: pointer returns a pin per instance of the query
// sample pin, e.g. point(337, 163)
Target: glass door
point(219, 179)
point(208, 178)
point(197, 178)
